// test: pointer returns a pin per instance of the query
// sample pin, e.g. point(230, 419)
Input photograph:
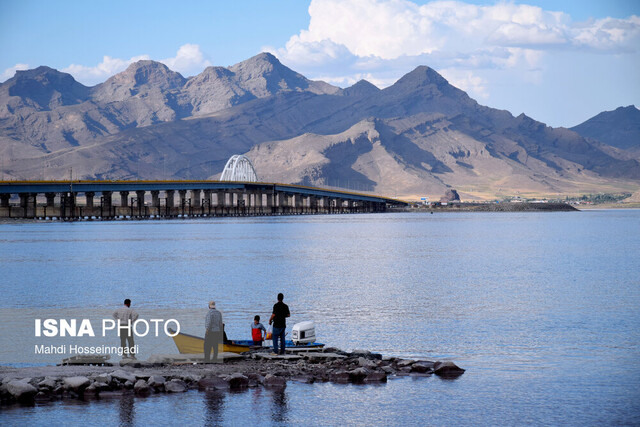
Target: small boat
point(191, 344)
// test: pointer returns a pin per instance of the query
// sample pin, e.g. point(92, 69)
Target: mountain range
point(417, 137)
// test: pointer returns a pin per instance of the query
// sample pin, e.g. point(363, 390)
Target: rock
point(128, 384)
point(376, 377)
point(387, 369)
point(274, 381)
point(405, 362)
point(100, 387)
point(237, 380)
point(156, 381)
point(76, 384)
point(306, 379)
point(339, 377)
point(447, 369)
point(422, 366)
point(366, 363)
point(175, 386)
point(190, 378)
point(360, 353)
point(21, 390)
point(103, 378)
point(123, 376)
point(48, 383)
point(92, 390)
point(141, 388)
point(42, 397)
point(358, 375)
point(212, 383)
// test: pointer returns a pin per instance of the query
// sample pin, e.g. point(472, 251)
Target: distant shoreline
point(492, 207)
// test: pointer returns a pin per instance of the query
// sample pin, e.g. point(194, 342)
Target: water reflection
point(279, 405)
point(214, 404)
point(126, 410)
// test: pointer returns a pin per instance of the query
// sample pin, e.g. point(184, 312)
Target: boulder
point(141, 388)
point(21, 390)
point(129, 384)
point(76, 384)
point(48, 383)
point(156, 381)
point(42, 397)
point(274, 381)
point(123, 376)
point(212, 383)
point(405, 362)
point(175, 386)
point(358, 375)
point(306, 379)
point(103, 378)
point(422, 367)
point(339, 377)
point(190, 378)
point(237, 380)
point(376, 377)
point(387, 369)
point(366, 363)
point(360, 353)
point(447, 369)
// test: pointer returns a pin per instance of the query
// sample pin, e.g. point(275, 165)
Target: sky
point(558, 61)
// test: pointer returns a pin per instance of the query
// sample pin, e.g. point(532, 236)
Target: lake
point(542, 309)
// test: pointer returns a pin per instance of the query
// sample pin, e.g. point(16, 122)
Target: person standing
point(257, 331)
point(126, 316)
point(213, 332)
point(279, 321)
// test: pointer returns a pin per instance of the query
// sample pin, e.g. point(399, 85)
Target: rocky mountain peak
point(420, 77)
point(361, 88)
point(140, 77)
point(152, 73)
point(264, 75)
point(619, 128)
point(45, 88)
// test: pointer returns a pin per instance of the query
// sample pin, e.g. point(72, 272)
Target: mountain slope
point(619, 128)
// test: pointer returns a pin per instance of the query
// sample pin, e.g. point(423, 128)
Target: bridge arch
point(239, 168)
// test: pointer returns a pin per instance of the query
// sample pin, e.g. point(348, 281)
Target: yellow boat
point(191, 344)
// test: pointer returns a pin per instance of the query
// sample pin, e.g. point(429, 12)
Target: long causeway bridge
point(71, 200)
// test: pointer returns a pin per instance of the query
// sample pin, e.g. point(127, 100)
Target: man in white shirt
point(125, 316)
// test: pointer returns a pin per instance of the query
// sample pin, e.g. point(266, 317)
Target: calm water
point(543, 310)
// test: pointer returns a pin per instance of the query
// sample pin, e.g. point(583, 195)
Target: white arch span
point(239, 168)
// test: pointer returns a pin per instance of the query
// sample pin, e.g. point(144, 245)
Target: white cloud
point(474, 85)
point(11, 71)
point(188, 60)
point(386, 38)
point(102, 71)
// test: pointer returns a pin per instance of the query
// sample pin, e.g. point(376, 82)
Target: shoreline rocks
point(44, 384)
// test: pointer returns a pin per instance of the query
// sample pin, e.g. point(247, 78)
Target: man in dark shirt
point(279, 321)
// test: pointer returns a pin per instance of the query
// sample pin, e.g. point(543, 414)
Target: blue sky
point(559, 62)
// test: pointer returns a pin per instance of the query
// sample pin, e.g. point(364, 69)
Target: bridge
point(165, 199)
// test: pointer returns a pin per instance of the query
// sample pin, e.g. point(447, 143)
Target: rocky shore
point(44, 384)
